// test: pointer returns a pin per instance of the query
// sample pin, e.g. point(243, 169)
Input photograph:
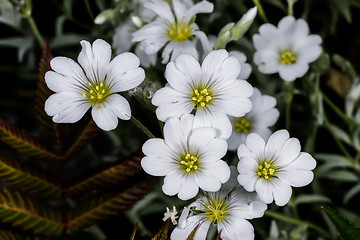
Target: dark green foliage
point(163, 232)
point(346, 229)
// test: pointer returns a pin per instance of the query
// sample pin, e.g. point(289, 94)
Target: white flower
point(262, 116)
point(272, 168)
point(287, 49)
point(188, 158)
point(245, 69)
point(92, 84)
point(171, 214)
point(174, 28)
point(212, 90)
point(228, 209)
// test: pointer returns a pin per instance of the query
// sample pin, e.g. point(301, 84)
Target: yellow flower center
point(287, 57)
point(215, 211)
point(201, 97)
point(179, 31)
point(266, 170)
point(96, 93)
point(242, 125)
point(189, 163)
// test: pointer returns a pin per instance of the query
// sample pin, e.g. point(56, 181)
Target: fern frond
point(9, 235)
point(24, 142)
point(25, 180)
point(51, 131)
point(105, 205)
point(84, 138)
point(118, 172)
point(21, 211)
point(163, 232)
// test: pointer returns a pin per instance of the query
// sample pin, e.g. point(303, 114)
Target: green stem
point(298, 222)
point(289, 94)
point(35, 30)
point(261, 10)
point(142, 127)
point(338, 142)
point(340, 113)
point(290, 7)
point(89, 9)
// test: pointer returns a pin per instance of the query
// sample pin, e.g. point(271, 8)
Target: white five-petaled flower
point(188, 158)
point(212, 90)
point(287, 49)
point(228, 209)
point(174, 29)
point(262, 116)
point(245, 69)
point(271, 168)
point(92, 84)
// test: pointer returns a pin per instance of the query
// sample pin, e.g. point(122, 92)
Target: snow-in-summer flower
point(211, 90)
point(228, 209)
point(271, 168)
point(262, 116)
point(287, 49)
point(188, 158)
point(174, 29)
point(245, 69)
point(93, 83)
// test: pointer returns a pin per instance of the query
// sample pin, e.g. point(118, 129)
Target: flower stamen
point(189, 163)
point(216, 211)
point(96, 93)
point(179, 31)
point(266, 170)
point(201, 97)
point(242, 125)
point(287, 57)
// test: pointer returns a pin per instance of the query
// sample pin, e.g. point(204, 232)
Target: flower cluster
point(208, 107)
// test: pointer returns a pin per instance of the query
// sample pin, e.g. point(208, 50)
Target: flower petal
point(213, 119)
point(161, 8)
point(69, 68)
point(173, 182)
point(247, 173)
point(295, 178)
point(236, 228)
point(120, 106)
point(104, 117)
point(201, 7)
point(218, 169)
point(264, 189)
point(275, 143)
point(157, 166)
point(58, 82)
point(207, 182)
point(94, 59)
point(281, 192)
point(256, 145)
point(189, 187)
point(66, 107)
point(291, 72)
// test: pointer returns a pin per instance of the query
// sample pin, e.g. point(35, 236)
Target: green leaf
point(89, 132)
point(346, 229)
point(311, 198)
point(351, 193)
point(118, 172)
point(104, 205)
point(28, 181)
point(25, 143)
point(341, 175)
point(51, 131)
point(163, 232)
point(22, 211)
point(344, 8)
point(9, 235)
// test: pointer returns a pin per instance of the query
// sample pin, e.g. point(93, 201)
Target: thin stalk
point(290, 7)
point(35, 30)
point(338, 142)
point(261, 11)
point(340, 113)
point(139, 125)
point(288, 100)
point(88, 8)
point(298, 222)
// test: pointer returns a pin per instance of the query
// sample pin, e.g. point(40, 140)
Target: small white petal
point(120, 106)
point(104, 117)
point(264, 189)
point(156, 147)
point(275, 143)
point(200, 138)
point(267, 61)
point(58, 82)
point(214, 149)
point(247, 173)
point(256, 144)
point(218, 169)
point(207, 182)
point(69, 68)
point(128, 80)
point(173, 182)
point(157, 166)
point(290, 151)
point(295, 178)
point(162, 9)
point(281, 192)
point(304, 161)
point(201, 7)
point(238, 228)
point(291, 72)
point(189, 187)
point(66, 107)
point(219, 121)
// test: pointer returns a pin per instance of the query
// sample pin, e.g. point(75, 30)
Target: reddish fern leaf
point(24, 142)
point(118, 172)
